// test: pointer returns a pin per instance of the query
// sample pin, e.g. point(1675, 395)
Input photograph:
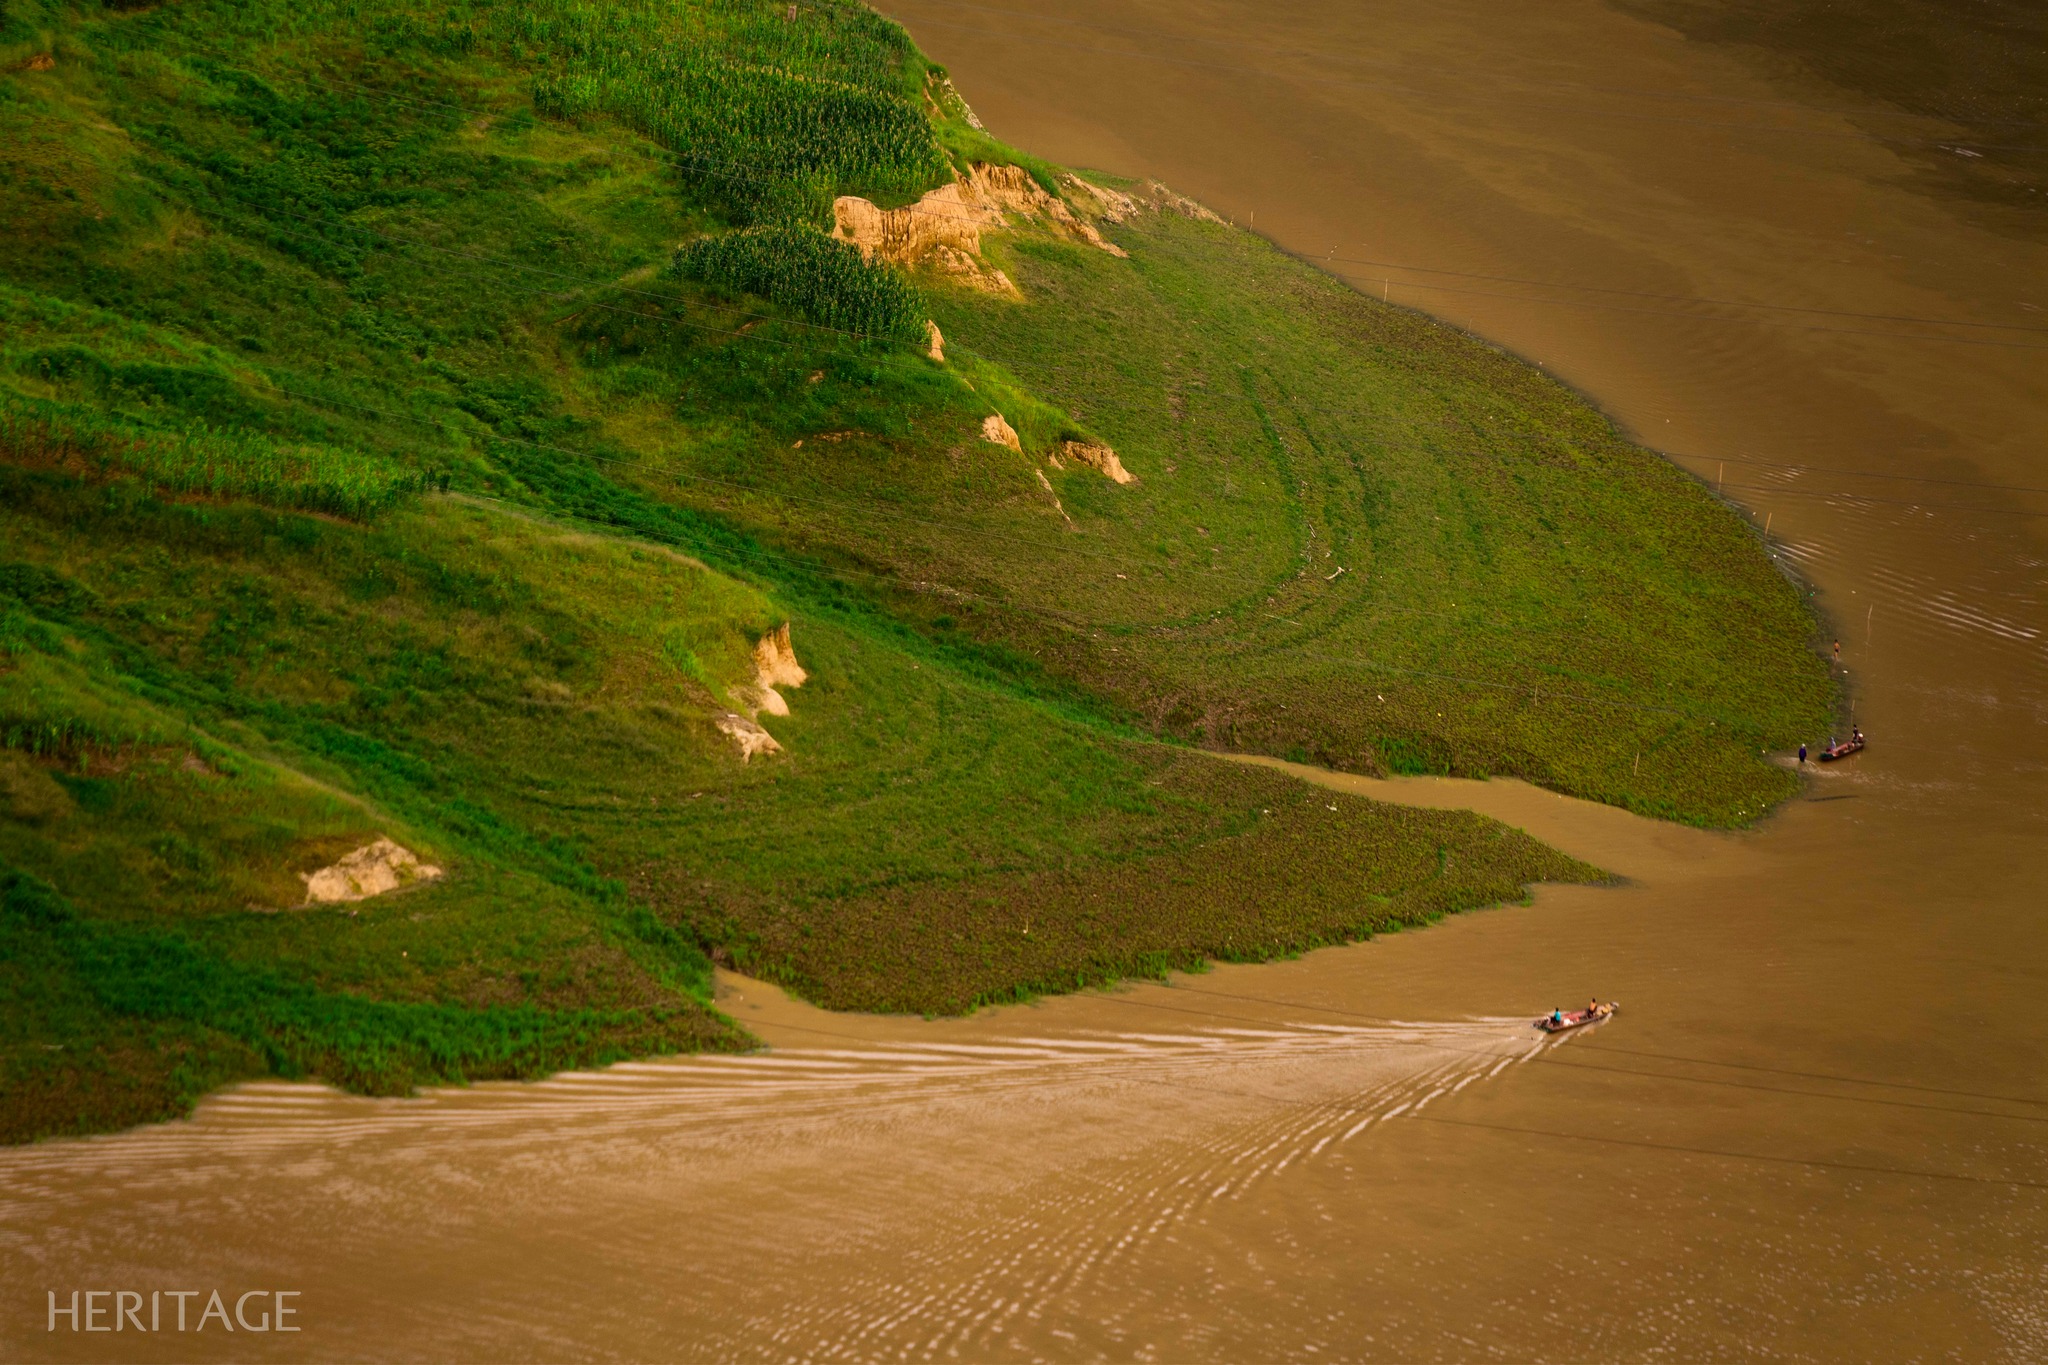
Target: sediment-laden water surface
point(1818, 1129)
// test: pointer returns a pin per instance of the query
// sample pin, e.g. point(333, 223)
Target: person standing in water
point(1802, 751)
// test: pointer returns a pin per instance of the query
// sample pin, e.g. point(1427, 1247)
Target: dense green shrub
point(819, 278)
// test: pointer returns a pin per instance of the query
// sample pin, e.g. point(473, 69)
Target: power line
point(370, 232)
point(1347, 83)
point(1814, 1075)
point(685, 302)
point(1351, 59)
point(817, 327)
point(1740, 1156)
point(1658, 1056)
point(773, 557)
point(993, 218)
point(1803, 1094)
point(1310, 259)
point(1434, 1046)
point(1672, 298)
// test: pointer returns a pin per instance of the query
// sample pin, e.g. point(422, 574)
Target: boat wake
point(914, 1199)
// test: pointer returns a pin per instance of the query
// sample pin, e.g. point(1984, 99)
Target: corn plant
point(768, 116)
point(819, 278)
point(196, 458)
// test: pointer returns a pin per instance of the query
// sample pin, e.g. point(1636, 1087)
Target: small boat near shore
point(1851, 745)
point(1571, 1019)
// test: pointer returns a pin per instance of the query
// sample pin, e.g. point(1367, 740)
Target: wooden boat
point(1577, 1018)
point(1851, 745)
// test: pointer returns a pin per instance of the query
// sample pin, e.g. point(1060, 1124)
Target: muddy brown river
point(1817, 1130)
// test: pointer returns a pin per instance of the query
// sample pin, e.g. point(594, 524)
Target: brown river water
point(1818, 1129)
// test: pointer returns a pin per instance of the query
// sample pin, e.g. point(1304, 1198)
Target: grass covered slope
point(207, 701)
point(1366, 540)
point(413, 414)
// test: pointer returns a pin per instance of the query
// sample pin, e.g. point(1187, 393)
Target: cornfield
point(197, 458)
point(819, 278)
point(771, 117)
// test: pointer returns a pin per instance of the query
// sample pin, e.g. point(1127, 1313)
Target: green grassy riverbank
point(418, 420)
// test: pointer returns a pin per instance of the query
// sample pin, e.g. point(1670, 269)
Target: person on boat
point(1593, 1008)
point(1855, 734)
point(1556, 1016)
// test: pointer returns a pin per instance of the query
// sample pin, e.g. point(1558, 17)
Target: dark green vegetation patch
point(366, 472)
point(815, 277)
point(1276, 867)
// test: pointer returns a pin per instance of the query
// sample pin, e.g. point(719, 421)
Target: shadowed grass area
point(110, 992)
point(365, 473)
point(1259, 869)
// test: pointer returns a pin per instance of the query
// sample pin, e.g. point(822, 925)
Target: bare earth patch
point(1099, 457)
point(371, 870)
point(942, 231)
point(775, 666)
point(998, 432)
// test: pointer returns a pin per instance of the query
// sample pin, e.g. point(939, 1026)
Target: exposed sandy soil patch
point(1098, 457)
point(942, 231)
point(748, 735)
point(371, 870)
point(1158, 196)
point(998, 432)
point(1113, 205)
point(775, 666)
point(1010, 189)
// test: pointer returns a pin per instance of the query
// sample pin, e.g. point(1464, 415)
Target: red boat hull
point(1576, 1018)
